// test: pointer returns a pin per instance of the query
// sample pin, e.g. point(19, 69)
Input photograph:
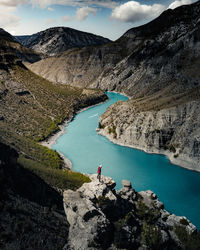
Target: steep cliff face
point(55, 40)
point(160, 55)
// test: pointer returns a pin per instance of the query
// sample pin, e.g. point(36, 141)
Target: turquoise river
point(176, 187)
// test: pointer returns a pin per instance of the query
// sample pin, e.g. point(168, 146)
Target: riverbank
point(180, 161)
point(51, 140)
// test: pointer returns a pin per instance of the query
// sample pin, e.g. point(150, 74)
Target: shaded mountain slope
point(31, 212)
point(9, 48)
point(55, 40)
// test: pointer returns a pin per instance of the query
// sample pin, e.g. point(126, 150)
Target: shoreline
point(170, 156)
point(51, 140)
point(121, 93)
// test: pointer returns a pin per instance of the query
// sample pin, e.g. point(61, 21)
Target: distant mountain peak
point(55, 40)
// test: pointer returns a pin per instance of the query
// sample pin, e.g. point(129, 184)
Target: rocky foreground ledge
point(102, 218)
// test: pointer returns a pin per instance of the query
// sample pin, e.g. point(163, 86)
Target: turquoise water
point(177, 188)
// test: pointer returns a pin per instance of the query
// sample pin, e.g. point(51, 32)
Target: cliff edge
point(102, 218)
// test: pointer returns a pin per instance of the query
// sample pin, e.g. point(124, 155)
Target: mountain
point(55, 40)
point(157, 65)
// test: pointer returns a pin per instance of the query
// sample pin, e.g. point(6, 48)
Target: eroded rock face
point(173, 131)
point(101, 217)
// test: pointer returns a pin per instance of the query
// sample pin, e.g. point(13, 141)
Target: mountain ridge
point(59, 39)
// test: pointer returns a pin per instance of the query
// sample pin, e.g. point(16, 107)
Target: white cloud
point(66, 19)
point(12, 3)
point(178, 3)
point(8, 19)
point(84, 12)
point(133, 12)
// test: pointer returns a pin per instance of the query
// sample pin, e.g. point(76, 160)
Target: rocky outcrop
point(56, 40)
point(101, 217)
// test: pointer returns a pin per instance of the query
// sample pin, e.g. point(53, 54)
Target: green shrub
point(102, 201)
point(151, 236)
point(112, 130)
point(150, 215)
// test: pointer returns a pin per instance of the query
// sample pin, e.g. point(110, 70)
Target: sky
point(108, 18)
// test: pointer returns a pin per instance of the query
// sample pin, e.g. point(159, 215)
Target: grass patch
point(63, 179)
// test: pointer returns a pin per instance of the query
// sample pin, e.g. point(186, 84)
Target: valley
point(46, 79)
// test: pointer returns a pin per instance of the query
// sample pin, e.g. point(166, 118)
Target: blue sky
point(108, 18)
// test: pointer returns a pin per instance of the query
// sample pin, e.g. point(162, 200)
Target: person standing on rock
point(99, 172)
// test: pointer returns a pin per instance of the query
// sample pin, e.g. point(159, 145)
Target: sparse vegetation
point(190, 241)
point(151, 236)
point(102, 201)
point(145, 213)
point(112, 130)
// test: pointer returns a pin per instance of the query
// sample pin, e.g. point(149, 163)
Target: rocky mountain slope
point(102, 218)
point(55, 40)
point(157, 65)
